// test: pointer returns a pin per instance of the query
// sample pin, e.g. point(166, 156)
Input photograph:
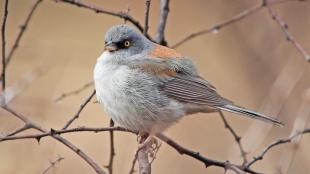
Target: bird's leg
point(146, 139)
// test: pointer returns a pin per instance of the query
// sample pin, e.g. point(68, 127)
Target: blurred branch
point(164, 10)
point(5, 15)
point(132, 169)
point(64, 141)
point(289, 36)
point(147, 13)
point(300, 123)
point(274, 144)
point(53, 164)
point(82, 106)
point(97, 9)
point(112, 149)
point(236, 137)
point(74, 92)
point(236, 18)
point(23, 28)
point(23, 83)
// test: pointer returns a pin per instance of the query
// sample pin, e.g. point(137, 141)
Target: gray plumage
point(137, 93)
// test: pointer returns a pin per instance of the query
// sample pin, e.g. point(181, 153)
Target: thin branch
point(276, 143)
point(53, 164)
point(236, 18)
point(82, 106)
point(132, 169)
point(18, 130)
point(288, 35)
point(74, 92)
point(97, 9)
point(51, 132)
point(112, 149)
point(23, 28)
point(146, 20)
point(64, 141)
point(207, 161)
point(182, 150)
point(236, 137)
point(164, 11)
point(5, 15)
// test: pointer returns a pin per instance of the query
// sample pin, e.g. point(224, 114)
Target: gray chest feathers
point(133, 99)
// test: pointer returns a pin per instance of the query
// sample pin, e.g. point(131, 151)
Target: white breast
point(110, 79)
point(110, 83)
point(132, 106)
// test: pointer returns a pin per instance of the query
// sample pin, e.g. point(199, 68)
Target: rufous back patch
point(164, 52)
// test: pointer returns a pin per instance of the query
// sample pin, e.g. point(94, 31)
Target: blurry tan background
point(242, 60)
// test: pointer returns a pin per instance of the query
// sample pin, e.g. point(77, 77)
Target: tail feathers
point(252, 114)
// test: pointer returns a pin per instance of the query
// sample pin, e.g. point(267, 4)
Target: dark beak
point(110, 46)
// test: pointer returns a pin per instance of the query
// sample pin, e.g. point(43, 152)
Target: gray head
point(124, 41)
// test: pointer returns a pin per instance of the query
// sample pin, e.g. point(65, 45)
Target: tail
point(249, 113)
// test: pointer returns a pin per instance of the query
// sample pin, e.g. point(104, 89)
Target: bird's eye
point(127, 43)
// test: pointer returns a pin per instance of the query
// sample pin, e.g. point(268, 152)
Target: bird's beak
point(110, 46)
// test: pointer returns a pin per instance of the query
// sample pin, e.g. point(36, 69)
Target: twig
point(74, 92)
point(147, 13)
point(275, 143)
point(64, 141)
point(164, 11)
point(96, 9)
point(182, 150)
point(132, 169)
point(236, 137)
point(51, 132)
point(112, 149)
point(53, 164)
point(23, 28)
point(289, 36)
point(18, 130)
point(207, 161)
point(236, 18)
point(5, 15)
point(82, 106)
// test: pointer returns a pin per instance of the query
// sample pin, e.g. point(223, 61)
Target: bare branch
point(83, 105)
point(147, 13)
point(53, 164)
point(132, 169)
point(164, 11)
point(64, 141)
point(18, 130)
point(288, 35)
point(74, 92)
point(23, 28)
point(236, 137)
point(207, 161)
point(236, 18)
point(5, 15)
point(59, 132)
point(276, 143)
point(96, 9)
point(112, 149)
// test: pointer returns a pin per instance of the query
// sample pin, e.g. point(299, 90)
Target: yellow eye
point(127, 43)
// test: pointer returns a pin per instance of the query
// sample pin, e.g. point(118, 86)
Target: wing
point(195, 90)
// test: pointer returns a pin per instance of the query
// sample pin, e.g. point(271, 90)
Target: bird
point(146, 87)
